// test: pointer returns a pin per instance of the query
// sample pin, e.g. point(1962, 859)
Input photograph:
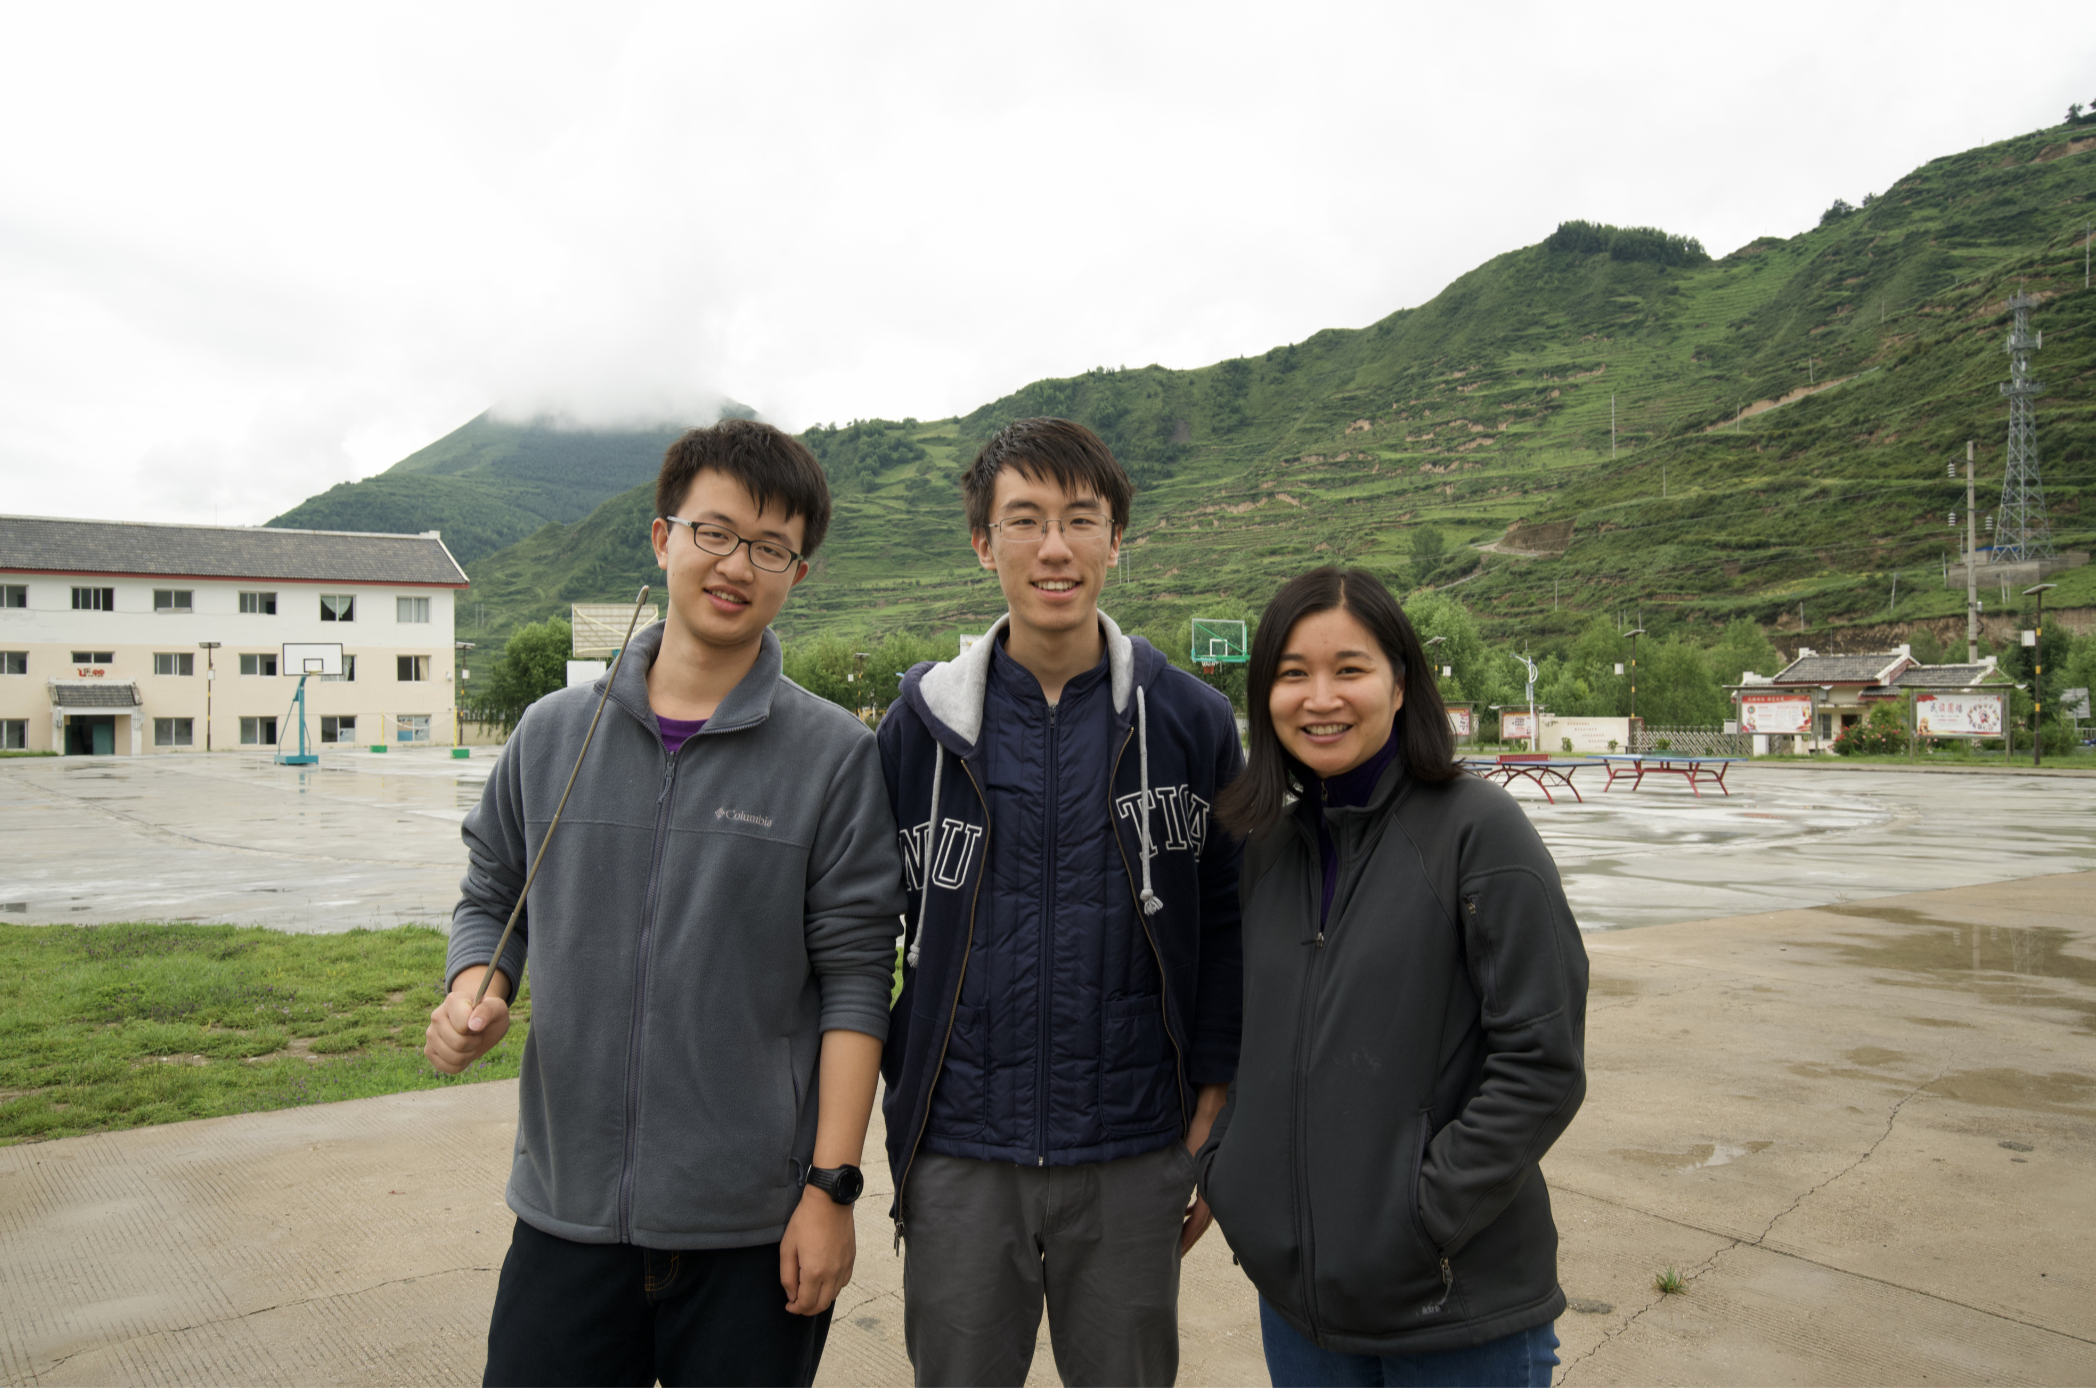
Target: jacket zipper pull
point(1448, 1284)
point(898, 1234)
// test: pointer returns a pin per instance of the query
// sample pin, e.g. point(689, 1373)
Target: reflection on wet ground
point(365, 839)
point(2031, 966)
point(1789, 837)
point(360, 839)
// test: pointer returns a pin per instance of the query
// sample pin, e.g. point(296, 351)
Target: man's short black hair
point(1063, 451)
point(775, 467)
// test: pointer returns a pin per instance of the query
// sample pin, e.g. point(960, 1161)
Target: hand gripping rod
point(518, 909)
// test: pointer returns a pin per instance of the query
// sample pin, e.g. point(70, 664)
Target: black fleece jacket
point(1403, 1070)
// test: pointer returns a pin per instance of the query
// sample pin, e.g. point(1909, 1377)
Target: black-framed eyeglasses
point(1079, 529)
point(715, 539)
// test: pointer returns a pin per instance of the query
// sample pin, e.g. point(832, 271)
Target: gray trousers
point(989, 1242)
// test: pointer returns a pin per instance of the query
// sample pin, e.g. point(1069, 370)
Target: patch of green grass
point(1669, 1283)
point(120, 1026)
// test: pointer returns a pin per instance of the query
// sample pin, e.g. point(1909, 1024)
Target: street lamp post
point(210, 678)
point(458, 695)
point(1633, 634)
point(2038, 673)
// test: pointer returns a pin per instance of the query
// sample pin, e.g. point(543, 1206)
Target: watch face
point(848, 1185)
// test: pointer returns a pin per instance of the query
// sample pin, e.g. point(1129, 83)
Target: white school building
point(121, 638)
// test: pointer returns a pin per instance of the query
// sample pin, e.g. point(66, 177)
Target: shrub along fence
point(1701, 742)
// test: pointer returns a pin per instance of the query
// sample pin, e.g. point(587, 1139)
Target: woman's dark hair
point(1252, 803)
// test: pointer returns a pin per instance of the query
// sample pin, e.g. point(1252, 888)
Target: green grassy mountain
point(489, 483)
point(1744, 437)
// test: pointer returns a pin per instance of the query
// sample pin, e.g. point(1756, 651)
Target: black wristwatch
point(842, 1184)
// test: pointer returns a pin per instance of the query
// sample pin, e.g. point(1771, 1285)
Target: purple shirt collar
point(677, 731)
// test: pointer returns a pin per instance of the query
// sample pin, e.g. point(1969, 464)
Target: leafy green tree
point(829, 666)
point(855, 456)
point(1925, 645)
point(1676, 687)
point(1428, 550)
point(1742, 647)
point(1479, 674)
point(532, 665)
point(2055, 650)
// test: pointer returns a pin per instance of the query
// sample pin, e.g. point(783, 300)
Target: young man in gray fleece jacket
point(712, 939)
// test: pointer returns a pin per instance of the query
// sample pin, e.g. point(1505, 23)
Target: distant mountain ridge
point(1595, 383)
point(489, 483)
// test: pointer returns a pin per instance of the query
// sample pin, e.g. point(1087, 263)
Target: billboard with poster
point(1958, 715)
point(1780, 715)
point(1516, 727)
point(1459, 721)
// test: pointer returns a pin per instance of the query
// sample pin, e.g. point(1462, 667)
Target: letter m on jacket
point(951, 862)
point(1182, 818)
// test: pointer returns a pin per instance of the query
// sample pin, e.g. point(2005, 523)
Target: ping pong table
point(1539, 767)
point(1696, 770)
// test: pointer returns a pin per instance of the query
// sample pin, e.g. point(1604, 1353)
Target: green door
point(105, 738)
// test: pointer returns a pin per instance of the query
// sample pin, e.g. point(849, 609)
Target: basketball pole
point(539, 859)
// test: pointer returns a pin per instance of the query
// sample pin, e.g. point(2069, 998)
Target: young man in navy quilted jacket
point(1068, 1021)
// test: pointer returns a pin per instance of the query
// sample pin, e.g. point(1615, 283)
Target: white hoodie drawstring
point(1151, 903)
point(925, 852)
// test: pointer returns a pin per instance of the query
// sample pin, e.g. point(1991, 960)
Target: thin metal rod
point(532, 876)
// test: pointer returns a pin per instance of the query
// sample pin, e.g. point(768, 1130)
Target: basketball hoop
point(1208, 667)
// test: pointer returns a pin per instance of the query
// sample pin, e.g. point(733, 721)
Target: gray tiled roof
point(94, 694)
point(1836, 669)
point(46, 544)
point(1942, 676)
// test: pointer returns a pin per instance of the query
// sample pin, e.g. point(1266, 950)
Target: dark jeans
point(1523, 1359)
point(610, 1313)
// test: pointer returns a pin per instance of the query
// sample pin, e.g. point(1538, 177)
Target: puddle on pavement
point(2059, 1092)
point(1805, 1070)
point(1999, 964)
point(1695, 1158)
point(1876, 1057)
point(1936, 1022)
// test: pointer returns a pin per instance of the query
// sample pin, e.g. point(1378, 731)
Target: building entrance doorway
point(91, 735)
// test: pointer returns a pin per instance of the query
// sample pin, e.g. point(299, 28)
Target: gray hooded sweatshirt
point(700, 921)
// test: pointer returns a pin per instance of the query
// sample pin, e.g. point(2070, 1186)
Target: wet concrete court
point(372, 840)
point(1861, 1125)
point(1863, 1133)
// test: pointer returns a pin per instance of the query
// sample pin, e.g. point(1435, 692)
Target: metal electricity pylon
point(2021, 531)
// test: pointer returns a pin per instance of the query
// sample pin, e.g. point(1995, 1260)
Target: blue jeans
point(1523, 1359)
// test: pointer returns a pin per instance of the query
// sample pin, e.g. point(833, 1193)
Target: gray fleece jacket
point(700, 921)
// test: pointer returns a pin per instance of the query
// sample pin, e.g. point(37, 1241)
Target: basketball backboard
point(312, 658)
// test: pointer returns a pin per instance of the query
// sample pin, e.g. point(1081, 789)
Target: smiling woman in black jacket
point(1415, 1005)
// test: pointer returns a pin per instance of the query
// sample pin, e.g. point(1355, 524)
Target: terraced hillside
point(1721, 438)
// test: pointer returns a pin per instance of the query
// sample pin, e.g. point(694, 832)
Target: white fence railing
point(1703, 742)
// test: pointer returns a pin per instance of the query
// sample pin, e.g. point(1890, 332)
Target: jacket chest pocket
point(1137, 1089)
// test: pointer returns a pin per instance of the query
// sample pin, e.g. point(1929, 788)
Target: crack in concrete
point(1735, 1242)
point(1890, 1119)
point(36, 1374)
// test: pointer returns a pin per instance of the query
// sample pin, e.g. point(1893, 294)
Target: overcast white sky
point(246, 253)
